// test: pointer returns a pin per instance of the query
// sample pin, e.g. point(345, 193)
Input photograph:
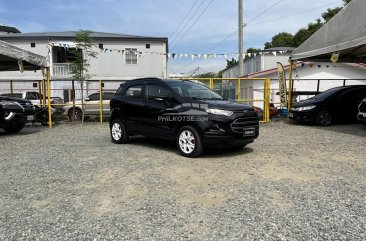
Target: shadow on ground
point(166, 145)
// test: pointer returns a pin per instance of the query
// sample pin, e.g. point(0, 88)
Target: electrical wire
point(186, 24)
point(194, 23)
point(185, 17)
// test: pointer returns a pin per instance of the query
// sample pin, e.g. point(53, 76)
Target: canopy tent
point(344, 33)
point(11, 55)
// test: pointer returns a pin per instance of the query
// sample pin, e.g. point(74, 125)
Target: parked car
point(14, 113)
point(338, 104)
point(188, 113)
point(361, 116)
point(91, 106)
point(33, 96)
point(273, 111)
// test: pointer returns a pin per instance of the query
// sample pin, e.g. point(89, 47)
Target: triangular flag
point(274, 53)
point(249, 55)
point(205, 56)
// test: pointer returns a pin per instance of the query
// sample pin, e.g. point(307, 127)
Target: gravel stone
point(293, 183)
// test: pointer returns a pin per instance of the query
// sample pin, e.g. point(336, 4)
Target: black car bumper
point(214, 139)
point(302, 116)
point(14, 119)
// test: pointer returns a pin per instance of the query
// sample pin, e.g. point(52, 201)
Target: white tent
point(10, 57)
point(344, 33)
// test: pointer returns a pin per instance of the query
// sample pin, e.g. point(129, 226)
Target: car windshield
point(327, 93)
point(193, 90)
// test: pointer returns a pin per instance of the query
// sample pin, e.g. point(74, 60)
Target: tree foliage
point(280, 40)
point(287, 40)
point(83, 53)
point(231, 63)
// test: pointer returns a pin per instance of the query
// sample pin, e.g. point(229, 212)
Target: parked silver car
point(91, 106)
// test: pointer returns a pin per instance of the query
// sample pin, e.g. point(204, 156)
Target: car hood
point(224, 105)
point(8, 98)
point(307, 102)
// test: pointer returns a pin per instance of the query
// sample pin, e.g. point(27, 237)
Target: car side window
point(30, 96)
point(134, 91)
point(107, 96)
point(155, 91)
point(94, 97)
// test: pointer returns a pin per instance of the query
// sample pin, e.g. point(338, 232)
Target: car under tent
point(13, 58)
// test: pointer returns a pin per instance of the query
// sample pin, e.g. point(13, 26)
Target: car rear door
point(157, 101)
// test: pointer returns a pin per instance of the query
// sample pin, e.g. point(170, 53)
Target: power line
point(194, 4)
point(295, 14)
point(186, 24)
point(267, 21)
point(233, 33)
point(263, 12)
point(193, 23)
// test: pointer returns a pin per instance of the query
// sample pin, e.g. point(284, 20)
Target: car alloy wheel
point(324, 118)
point(118, 132)
point(189, 142)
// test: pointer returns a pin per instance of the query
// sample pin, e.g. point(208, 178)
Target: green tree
point(330, 13)
point(253, 50)
point(83, 53)
point(280, 40)
point(231, 63)
point(304, 33)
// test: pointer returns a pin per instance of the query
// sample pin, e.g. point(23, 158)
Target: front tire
point(118, 132)
point(77, 116)
point(14, 129)
point(324, 118)
point(188, 142)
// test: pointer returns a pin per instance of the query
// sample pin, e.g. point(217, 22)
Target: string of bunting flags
point(205, 56)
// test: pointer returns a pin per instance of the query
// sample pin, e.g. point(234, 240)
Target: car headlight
point(220, 112)
point(304, 108)
point(5, 103)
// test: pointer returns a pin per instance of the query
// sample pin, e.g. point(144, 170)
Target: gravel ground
point(293, 183)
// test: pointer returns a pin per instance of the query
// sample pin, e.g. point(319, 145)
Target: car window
point(30, 96)
point(107, 96)
point(94, 97)
point(155, 91)
point(134, 91)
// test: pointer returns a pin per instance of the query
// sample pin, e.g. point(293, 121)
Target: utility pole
point(240, 30)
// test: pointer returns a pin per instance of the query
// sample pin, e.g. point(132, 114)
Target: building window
point(35, 85)
point(131, 56)
point(147, 46)
point(100, 46)
point(33, 45)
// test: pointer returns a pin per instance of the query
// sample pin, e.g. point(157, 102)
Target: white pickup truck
point(33, 96)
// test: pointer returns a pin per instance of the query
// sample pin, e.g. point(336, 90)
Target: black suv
point(187, 112)
point(14, 113)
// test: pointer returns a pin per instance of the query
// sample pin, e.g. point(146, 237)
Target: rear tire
point(324, 118)
point(118, 132)
point(188, 142)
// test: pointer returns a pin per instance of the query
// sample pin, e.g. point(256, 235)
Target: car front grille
point(239, 124)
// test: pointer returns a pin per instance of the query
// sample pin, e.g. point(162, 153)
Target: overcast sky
point(209, 27)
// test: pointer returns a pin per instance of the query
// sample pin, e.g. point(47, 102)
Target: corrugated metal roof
point(8, 29)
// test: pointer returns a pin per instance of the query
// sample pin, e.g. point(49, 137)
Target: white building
point(120, 57)
point(259, 62)
point(307, 77)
